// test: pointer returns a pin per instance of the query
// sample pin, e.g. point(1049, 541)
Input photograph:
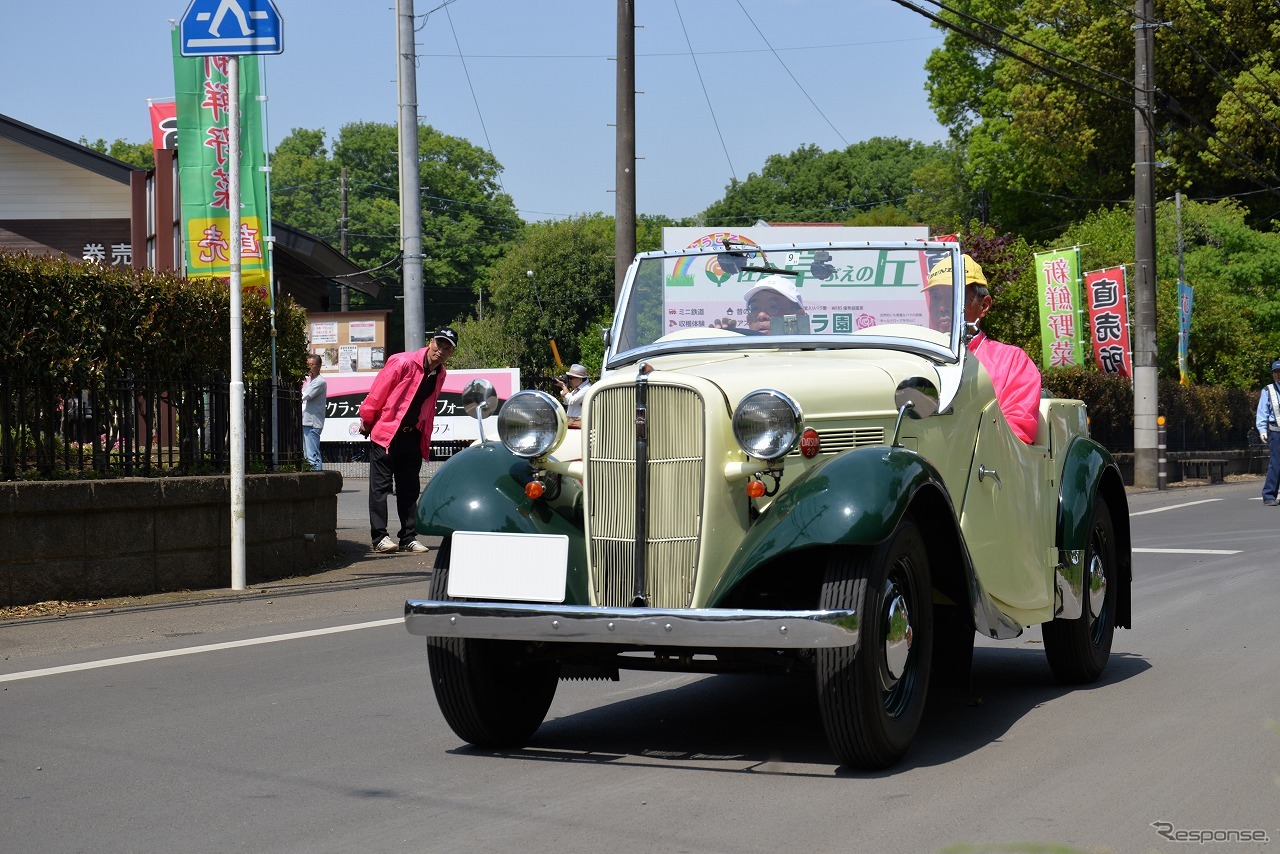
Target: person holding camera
point(573, 388)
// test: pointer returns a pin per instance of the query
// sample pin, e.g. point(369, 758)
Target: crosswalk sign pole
point(237, 340)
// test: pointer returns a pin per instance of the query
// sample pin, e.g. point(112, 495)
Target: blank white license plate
point(519, 567)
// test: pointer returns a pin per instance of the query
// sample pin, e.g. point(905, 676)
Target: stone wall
point(129, 537)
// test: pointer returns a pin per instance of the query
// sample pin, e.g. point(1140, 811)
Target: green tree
point(1047, 150)
point(568, 297)
point(1235, 319)
point(811, 184)
point(140, 154)
point(467, 220)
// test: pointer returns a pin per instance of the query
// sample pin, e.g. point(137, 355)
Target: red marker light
point(810, 444)
point(755, 489)
point(534, 489)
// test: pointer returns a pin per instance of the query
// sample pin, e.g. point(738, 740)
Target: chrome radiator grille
point(676, 473)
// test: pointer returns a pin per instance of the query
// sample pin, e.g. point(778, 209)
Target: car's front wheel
point(1078, 649)
point(872, 698)
point(493, 694)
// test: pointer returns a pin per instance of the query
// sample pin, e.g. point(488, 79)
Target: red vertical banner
point(1109, 321)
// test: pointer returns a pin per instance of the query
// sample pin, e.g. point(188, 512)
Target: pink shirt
point(1017, 383)
point(393, 390)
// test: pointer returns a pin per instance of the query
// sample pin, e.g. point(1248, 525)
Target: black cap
point(447, 334)
point(1275, 366)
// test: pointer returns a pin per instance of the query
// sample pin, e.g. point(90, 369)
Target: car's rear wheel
point(1078, 649)
point(493, 694)
point(872, 699)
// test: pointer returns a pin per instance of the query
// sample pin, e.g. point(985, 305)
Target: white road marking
point(1183, 552)
point(193, 650)
point(1174, 507)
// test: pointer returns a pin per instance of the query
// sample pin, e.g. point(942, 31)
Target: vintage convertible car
point(834, 491)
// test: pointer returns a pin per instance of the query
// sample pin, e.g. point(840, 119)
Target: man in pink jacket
point(1015, 377)
point(397, 417)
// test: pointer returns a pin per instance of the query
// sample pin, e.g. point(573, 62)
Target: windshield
point(739, 294)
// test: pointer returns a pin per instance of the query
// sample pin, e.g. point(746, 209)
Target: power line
point(999, 48)
point(472, 87)
point(705, 94)
point(789, 74)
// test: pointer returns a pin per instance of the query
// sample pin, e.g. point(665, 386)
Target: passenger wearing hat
point(772, 296)
point(1266, 422)
point(573, 388)
point(397, 416)
point(1015, 377)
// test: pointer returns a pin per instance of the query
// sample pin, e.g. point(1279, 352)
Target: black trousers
point(400, 464)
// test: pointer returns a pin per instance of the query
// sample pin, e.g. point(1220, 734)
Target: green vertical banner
point(201, 86)
point(1058, 274)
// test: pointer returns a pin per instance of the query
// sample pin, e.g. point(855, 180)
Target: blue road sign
point(231, 28)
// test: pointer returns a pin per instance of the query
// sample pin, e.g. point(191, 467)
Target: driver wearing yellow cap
point(1015, 377)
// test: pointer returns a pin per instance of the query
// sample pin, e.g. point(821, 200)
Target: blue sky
point(537, 85)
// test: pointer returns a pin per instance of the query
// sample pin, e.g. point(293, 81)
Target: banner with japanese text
point(1058, 275)
point(201, 86)
point(1186, 294)
point(1109, 320)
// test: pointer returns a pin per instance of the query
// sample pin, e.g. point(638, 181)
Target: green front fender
point(857, 497)
point(482, 489)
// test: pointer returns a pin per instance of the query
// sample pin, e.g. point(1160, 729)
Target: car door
point(1008, 518)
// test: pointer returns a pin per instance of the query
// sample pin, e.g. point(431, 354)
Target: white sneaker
point(384, 545)
point(415, 547)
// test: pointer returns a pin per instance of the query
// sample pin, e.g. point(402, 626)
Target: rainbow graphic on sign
point(714, 240)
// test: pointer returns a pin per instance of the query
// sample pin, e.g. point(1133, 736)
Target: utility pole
point(1145, 437)
point(342, 234)
point(624, 216)
point(410, 198)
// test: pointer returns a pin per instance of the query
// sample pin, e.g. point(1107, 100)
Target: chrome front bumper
point(644, 627)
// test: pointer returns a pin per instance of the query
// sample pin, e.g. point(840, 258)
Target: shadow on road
point(771, 725)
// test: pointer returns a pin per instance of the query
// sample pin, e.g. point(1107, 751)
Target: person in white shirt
point(573, 388)
point(315, 396)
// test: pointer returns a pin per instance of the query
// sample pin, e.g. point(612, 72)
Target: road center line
point(1173, 507)
point(193, 650)
point(1189, 551)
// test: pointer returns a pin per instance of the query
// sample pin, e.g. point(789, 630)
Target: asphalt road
point(298, 717)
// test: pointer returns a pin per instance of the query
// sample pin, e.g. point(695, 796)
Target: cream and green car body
point(902, 510)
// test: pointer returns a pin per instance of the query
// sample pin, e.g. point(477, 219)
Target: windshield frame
point(734, 342)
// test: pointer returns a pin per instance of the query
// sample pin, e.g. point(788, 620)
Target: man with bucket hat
point(1269, 431)
point(397, 417)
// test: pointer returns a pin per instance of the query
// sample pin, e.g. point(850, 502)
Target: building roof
point(65, 149)
point(319, 259)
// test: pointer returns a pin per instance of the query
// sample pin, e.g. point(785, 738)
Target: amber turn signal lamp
point(534, 489)
point(755, 489)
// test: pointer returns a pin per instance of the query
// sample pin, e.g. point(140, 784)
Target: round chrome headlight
point(531, 423)
point(767, 424)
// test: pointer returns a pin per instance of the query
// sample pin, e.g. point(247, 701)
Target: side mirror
point(916, 397)
point(480, 398)
point(919, 395)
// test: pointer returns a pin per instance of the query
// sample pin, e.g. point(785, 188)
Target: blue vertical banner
point(1185, 295)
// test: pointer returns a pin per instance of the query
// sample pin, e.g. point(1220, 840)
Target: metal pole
point(342, 236)
point(237, 341)
point(624, 217)
point(269, 247)
point(1144, 352)
point(410, 177)
point(1162, 444)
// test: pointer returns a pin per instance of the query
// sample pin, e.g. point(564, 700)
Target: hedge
point(1197, 418)
point(62, 318)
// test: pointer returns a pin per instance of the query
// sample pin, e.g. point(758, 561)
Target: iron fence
point(136, 426)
